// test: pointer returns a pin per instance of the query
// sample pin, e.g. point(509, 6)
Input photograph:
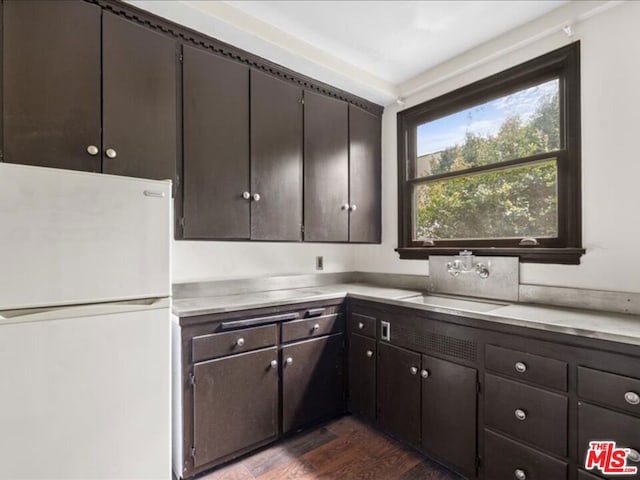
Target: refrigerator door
point(72, 237)
point(87, 397)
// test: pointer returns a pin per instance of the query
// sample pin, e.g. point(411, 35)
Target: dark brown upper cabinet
point(326, 169)
point(217, 198)
point(51, 80)
point(276, 159)
point(57, 113)
point(139, 77)
point(364, 176)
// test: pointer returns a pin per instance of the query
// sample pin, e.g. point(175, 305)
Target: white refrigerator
point(84, 325)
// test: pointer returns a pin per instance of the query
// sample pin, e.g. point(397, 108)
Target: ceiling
point(370, 48)
point(395, 40)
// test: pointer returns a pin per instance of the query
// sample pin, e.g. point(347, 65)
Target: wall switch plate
point(319, 263)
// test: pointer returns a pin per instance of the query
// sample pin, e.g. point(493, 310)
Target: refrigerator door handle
point(73, 311)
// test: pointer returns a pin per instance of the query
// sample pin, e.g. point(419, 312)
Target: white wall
point(610, 52)
point(194, 261)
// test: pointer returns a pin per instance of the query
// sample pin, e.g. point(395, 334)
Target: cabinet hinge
point(182, 223)
point(478, 387)
point(1, 154)
point(302, 100)
point(180, 57)
point(192, 379)
point(193, 452)
point(302, 228)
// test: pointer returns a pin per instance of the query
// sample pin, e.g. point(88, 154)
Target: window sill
point(562, 256)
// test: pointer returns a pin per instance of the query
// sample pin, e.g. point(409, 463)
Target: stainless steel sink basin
point(456, 303)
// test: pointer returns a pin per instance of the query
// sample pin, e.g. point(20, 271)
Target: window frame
point(566, 248)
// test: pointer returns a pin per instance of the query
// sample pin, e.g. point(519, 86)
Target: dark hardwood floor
point(342, 449)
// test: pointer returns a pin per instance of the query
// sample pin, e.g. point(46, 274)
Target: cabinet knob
point(353, 208)
point(289, 361)
point(633, 455)
point(240, 342)
point(520, 474)
point(92, 150)
point(246, 195)
point(274, 364)
point(316, 327)
point(414, 370)
point(256, 197)
point(111, 153)
point(521, 367)
point(424, 373)
point(360, 325)
point(345, 207)
point(632, 398)
point(521, 414)
point(369, 353)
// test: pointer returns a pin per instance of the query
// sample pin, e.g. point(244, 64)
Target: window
point(494, 167)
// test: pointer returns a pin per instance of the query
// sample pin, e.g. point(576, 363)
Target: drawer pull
point(414, 370)
point(240, 342)
point(274, 364)
point(521, 414)
point(315, 312)
point(360, 325)
point(424, 373)
point(289, 361)
point(521, 367)
point(316, 327)
point(520, 474)
point(369, 353)
point(633, 455)
point(632, 398)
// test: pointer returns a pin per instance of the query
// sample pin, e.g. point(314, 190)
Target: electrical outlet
point(319, 263)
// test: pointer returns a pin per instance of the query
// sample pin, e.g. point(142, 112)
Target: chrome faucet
point(464, 263)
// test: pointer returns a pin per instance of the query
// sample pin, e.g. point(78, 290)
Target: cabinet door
point(449, 412)
point(235, 404)
point(362, 377)
point(51, 79)
point(326, 169)
point(276, 159)
point(313, 386)
point(139, 78)
point(399, 392)
point(216, 146)
point(364, 176)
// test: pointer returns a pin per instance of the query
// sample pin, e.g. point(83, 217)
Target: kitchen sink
point(456, 303)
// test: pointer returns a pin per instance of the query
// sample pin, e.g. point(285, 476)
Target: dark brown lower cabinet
point(449, 408)
point(235, 404)
point(399, 392)
point(596, 423)
point(362, 376)
point(313, 386)
point(508, 460)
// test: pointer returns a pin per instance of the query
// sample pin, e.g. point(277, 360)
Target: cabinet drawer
point(596, 423)
point(582, 475)
point(311, 327)
point(543, 371)
point(362, 324)
point(221, 344)
point(528, 413)
point(504, 457)
point(609, 389)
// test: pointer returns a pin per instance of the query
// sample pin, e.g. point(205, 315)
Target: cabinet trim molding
point(201, 40)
